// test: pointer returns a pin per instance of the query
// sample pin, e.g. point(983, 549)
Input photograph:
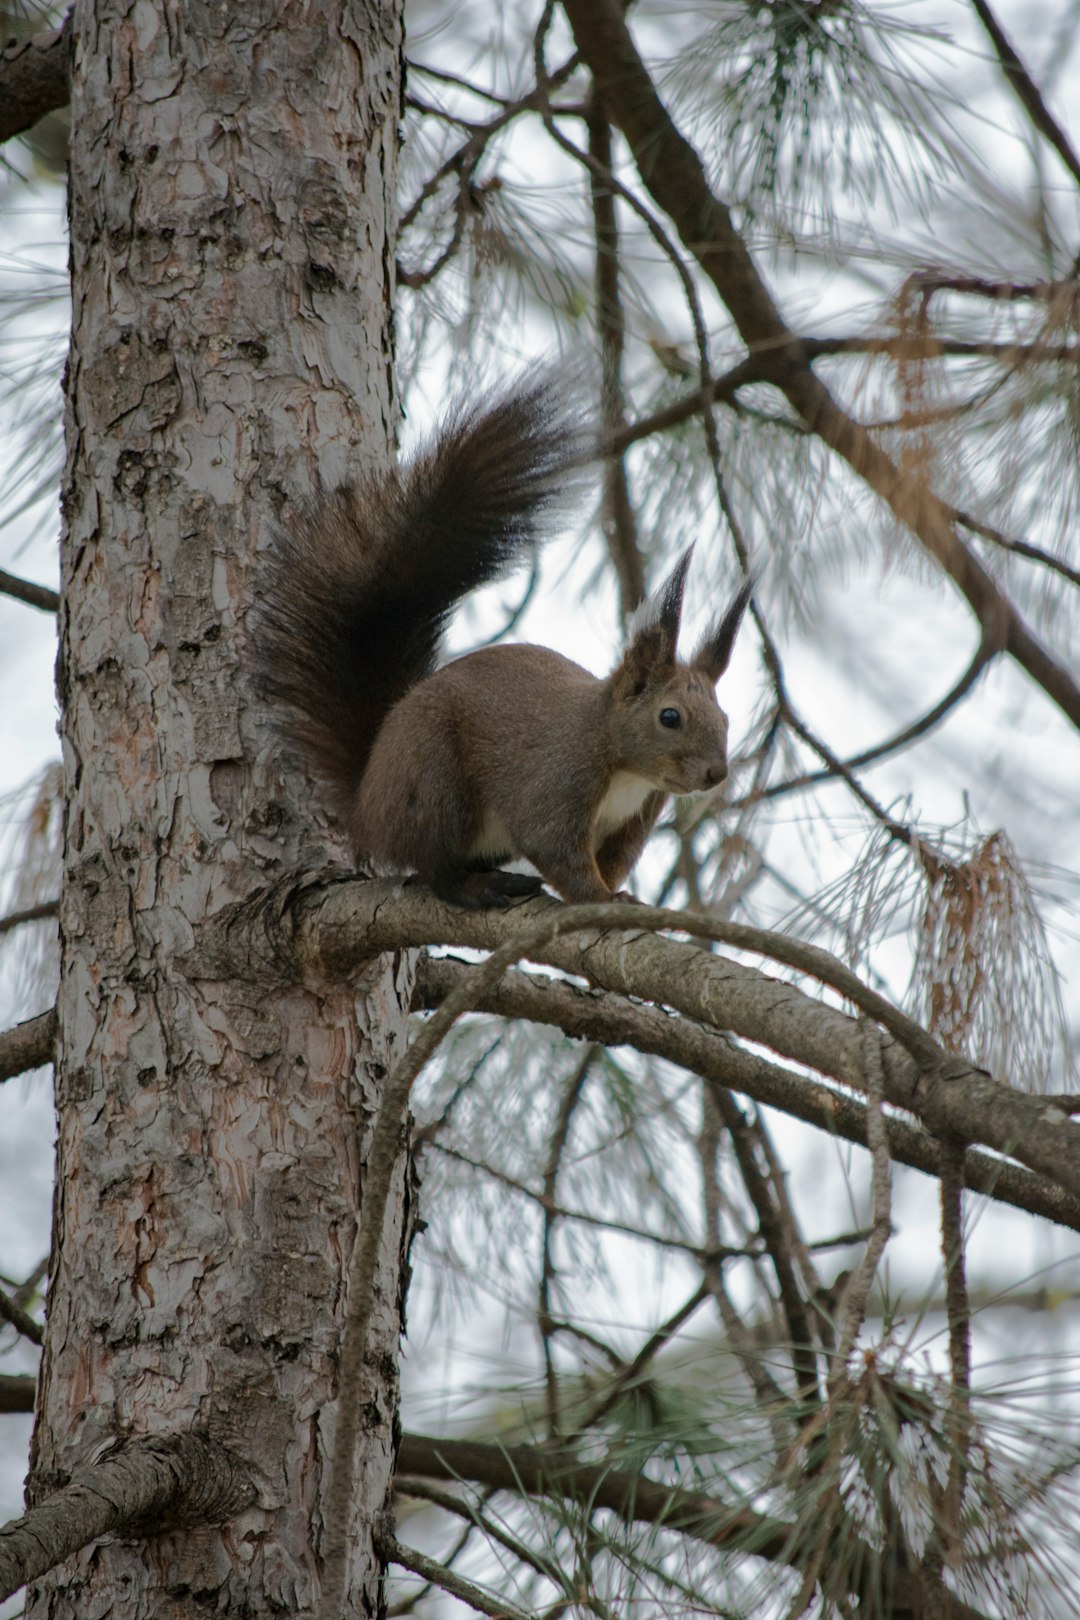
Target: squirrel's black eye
point(670, 718)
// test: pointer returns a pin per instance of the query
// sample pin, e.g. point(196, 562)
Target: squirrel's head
point(666, 723)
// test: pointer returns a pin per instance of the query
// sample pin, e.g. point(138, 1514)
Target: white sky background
point(886, 632)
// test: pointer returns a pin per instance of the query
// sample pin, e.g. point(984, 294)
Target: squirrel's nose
point(716, 772)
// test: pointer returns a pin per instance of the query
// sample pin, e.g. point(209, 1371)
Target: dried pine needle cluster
point(988, 984)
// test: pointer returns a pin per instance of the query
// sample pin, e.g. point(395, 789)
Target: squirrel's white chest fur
point(625, 796)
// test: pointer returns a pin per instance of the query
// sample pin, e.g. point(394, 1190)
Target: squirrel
point(510, 751)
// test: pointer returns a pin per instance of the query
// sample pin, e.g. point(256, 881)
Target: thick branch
point(592, 1015)
point(27, 1046)
point(34, 79)
point(555, 1471)
point(329, 929)
point(17, 1392)
point(675, 178)
point(147, 1484)
point(543, 1471)
point(351, 921)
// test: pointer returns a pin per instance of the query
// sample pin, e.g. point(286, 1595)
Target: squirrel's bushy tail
point(355, 598)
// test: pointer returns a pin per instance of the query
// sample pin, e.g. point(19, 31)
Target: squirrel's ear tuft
point(654, 626)
point(713, 653)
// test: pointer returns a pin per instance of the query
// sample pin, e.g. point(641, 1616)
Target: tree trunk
point(232, 183)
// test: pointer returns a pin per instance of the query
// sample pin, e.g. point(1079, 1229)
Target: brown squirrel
point(509, 751)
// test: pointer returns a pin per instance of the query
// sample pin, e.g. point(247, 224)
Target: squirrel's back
point(356, 595)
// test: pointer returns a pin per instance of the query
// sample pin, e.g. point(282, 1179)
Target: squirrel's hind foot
point(483, 891)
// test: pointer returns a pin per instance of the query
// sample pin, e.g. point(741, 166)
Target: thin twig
point(560, 1133)
point(455, 79)
point(1027, 91)
point(772, 1400)
point(777, 1241)
point(958, 1315)
point(857, 1292)
point(25, 590)
point(464, 159)
point(801, 1251)
point(581, 1217)
point(450, 1502)
point(619, 521)
point(448, 1580)
point(30, 1287)
point(20, 1320)
point(631, 1371)
point(904, 346)
point(892, 745)
point(1021, 548)
point(15, 919)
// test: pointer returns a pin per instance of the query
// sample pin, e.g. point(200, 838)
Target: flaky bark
point(231, 188)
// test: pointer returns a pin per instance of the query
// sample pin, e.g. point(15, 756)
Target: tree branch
point(856, 1294)
point(329, 928)
point(28, 1045)
point(571, 1097)
point(34, 76)
point(448, 1580)
point(674, 176)
point(17, 1391)
point(38, 913)
point(451, 1502)
point(1021, 548)
point(1027, 91)
point(891, 745)
point(904, 346)
point(592, 1015)
point(777, 1238)
point(19, 1319)
point(25, 590)
point(620, 524)
point(556, 1472)
point(147, 1484)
